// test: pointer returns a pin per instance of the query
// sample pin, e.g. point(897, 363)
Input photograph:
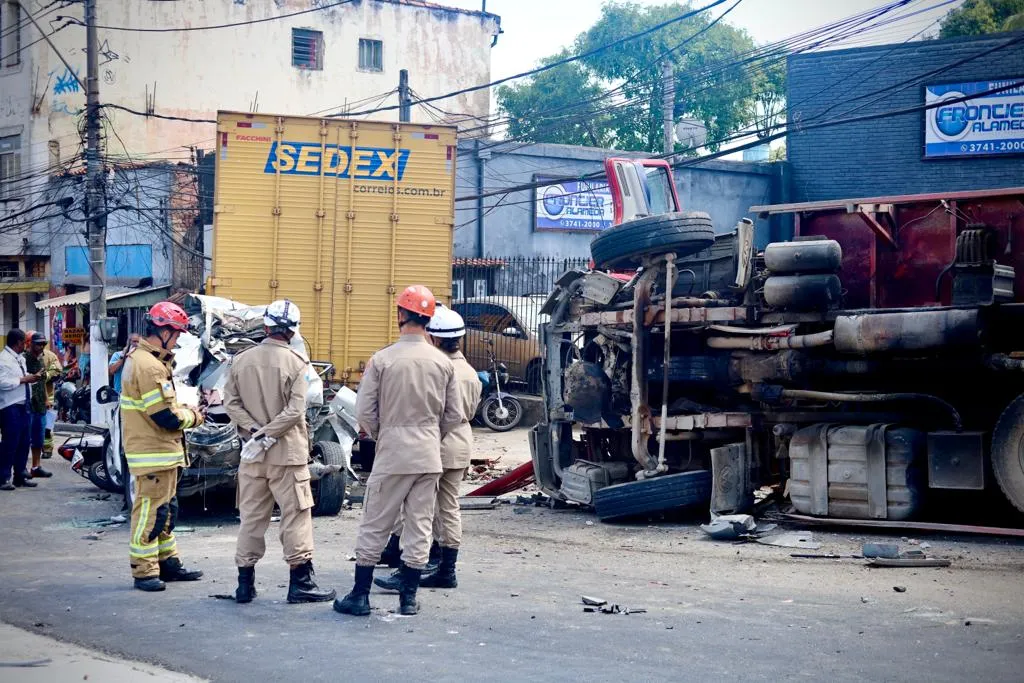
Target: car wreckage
point(219, 329)
point(870, 368)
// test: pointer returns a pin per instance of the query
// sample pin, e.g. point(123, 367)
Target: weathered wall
point(146, 187)
point(193, 74)
point(724, 189)
point(885, 156)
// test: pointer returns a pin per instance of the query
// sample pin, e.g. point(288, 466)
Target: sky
point(538, 28)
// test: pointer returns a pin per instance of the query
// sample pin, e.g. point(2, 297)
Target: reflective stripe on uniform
point(143, 521)
point(188, 420)
point(129, 403)
point(143, 551)
point(151, 398)
point(154, 459)
point(168, 546)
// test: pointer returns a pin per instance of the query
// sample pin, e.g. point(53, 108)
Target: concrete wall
point(885, 156)
point(724, 189)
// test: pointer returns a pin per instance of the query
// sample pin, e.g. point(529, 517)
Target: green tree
point(566, 104)
point(978, 17)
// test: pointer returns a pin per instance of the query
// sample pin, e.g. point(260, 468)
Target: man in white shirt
point(15, 385)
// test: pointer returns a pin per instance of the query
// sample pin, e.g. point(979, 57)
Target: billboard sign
point(573, 205)
point(991, 124)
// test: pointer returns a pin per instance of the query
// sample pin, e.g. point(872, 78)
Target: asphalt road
point(714, 611)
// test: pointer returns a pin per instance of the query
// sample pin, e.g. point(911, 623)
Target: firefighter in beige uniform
point(408, 401)
point(446, 329)
point(265, 397)
point(153, 422)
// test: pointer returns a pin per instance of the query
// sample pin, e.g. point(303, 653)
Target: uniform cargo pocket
point(303, 492)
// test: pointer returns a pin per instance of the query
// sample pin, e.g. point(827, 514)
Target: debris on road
point(729, 527)
point(594, 605)
point(496, 485)
point(908, 562)
point(790, 539)
point(477, 503)
point(889, 550)
point(910, 526)
point(900, 589)
point(223, 596)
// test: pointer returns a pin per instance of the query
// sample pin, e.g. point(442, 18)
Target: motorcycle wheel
point(97, 474)
point(504, 416)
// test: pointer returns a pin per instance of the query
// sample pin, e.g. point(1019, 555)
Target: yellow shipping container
point(337, 215)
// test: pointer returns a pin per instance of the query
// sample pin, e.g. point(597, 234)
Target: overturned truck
point(870, 368)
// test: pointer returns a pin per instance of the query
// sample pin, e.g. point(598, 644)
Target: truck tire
point(653, 495)
point(329, 491)
point(1008, 452)
point(623, 246)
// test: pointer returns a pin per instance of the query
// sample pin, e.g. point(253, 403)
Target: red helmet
point(166, 314)
point(417, 299)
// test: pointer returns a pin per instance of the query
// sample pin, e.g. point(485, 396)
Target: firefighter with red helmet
point(408, 401)
point(153, 422)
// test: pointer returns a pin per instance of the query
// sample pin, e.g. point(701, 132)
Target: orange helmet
point(166, 314)
point(417, 299)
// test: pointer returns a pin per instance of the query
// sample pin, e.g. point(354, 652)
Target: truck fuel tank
point(906, 330)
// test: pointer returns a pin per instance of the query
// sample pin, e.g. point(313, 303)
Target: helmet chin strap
point(163, 342)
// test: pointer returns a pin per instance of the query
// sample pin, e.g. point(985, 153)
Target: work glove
point(255, 449)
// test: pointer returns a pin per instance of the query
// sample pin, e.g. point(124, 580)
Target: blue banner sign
point(573, 205)
point(990, 124)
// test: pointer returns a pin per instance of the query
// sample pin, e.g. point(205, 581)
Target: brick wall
point(885, 156)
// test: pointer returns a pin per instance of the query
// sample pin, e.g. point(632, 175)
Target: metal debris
point(908, 562)
point(900, 589)
point(790, 539)
point(477, 503)
point(593, 602)
point(889, 550)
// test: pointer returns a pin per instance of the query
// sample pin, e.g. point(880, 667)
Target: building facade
point(162, 88)
point(888, 156)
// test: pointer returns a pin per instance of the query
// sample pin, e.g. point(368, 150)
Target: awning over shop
point(117, 298)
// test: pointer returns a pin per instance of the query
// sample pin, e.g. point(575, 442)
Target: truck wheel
point(659, 494)
point(1008, 452)
point(329, 490)
point(624, 245)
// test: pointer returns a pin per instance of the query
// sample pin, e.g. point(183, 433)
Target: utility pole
point(95, 211)
point(404, 100)
point(668, 103)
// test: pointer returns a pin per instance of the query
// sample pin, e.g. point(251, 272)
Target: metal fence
point(500, 299)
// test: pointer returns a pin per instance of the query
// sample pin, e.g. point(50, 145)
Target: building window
point(371, 55)
point(307, 49)
point(9, 270)
point(10, 33)
point(10, 164)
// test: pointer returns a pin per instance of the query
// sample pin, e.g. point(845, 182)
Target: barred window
point(10, 164)
point(371, 55)
point(307, 49)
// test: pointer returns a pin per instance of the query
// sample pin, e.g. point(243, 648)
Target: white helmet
point(446, 324)
point(282, 313)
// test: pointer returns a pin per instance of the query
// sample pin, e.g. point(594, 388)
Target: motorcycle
point(72, 403)
point(95, 453)
point(86, 453)
point(498, 410)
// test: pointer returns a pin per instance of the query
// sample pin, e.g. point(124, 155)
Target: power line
point(177, 29)
point(552, 65)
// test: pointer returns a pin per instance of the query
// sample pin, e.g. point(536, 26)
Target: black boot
point(392, 582)
point(444, 577)
point(171, 569)
point(392, 555)
point(357, 602)
point(150, 584)
point(435, 557)
point(302, 586)
point(246, 590)
point(407, 604)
